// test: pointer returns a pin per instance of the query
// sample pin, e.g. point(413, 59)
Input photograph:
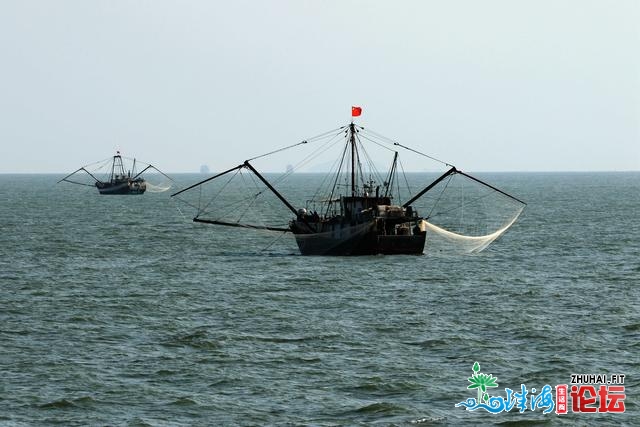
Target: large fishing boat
point(364, 222)
point(118, 180)
point(356, 214)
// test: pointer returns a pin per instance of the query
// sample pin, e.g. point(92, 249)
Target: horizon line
point(410, 171)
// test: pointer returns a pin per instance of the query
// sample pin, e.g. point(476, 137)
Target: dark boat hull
point(126, 187)
point(359, 239)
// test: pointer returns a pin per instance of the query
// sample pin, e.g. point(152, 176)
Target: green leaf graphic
point(481, 382)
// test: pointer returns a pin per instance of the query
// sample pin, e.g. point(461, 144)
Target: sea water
point(118, 310)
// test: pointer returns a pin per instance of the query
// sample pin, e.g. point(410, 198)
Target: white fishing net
point(444, 240)
point(151, 188)
point(463, 215)
point(157, 183)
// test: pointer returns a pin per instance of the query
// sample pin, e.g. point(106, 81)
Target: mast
point(113, 166)
point(353, 160)
point(392, 173)
point(117, 166)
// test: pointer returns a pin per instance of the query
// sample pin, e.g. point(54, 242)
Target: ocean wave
point(68, 403)
point(380, 408)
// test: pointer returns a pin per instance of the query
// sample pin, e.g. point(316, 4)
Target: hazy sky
point(486, 85)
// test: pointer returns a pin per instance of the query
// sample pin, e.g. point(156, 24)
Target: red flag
point(356, 111)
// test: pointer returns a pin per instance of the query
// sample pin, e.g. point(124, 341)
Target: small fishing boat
point(118, 180)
